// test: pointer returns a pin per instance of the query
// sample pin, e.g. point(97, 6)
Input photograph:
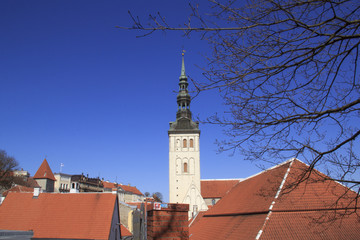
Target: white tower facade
point(184, 153)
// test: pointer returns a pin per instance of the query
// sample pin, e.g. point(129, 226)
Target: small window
point(191, 142)
point(213, 201)
point(184, 143)
point(185, 167)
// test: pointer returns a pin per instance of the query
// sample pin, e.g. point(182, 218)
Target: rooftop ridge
point(224, 179)
point(271, 168)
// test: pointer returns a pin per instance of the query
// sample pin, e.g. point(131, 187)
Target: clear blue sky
point(99, 100)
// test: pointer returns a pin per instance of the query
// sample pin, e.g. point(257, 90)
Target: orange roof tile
point(311, 225)
point(44, 171)
point(266, 206)
point(56, 215)
point(130, 189)
point(31, 182)
point(227, 227)
point(18, 188)
point(253, 194)
point(109, 185)
point(216, 188)
point(124, 231)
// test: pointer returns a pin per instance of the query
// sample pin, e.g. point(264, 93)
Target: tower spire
point(183, 99)
point(183, 75)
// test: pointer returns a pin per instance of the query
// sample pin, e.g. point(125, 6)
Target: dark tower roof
point(183, 122)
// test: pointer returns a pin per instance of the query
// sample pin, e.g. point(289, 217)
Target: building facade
point(184, 153)
point(63, 182)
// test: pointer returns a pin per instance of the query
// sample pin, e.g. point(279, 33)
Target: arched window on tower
point(184, 143)
point(185, 167)
point(191, 142)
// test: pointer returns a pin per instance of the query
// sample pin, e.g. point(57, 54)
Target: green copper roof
point(183, 75)
point(183, 122)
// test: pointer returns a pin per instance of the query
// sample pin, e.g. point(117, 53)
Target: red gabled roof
point(44, 171)
point(216, 188)
point(124, 231)
point(31, 182)
point(252, 195)
point(266, 206)
point(131, 189)
point(126, 188)
point(56, 215)
point(109, 185)
point(18, 188)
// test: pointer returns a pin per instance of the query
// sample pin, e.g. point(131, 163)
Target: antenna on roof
point(61, 165)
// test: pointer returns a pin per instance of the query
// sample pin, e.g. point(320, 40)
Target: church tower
point(184, 153)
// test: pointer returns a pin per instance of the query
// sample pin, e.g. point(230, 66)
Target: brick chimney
point(168, 221)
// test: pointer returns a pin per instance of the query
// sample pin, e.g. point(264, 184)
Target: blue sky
point(78, 91)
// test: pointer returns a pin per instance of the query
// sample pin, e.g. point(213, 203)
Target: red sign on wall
point(157, 206)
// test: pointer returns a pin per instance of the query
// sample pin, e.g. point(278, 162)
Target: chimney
point(168, 221)
point(37, 191)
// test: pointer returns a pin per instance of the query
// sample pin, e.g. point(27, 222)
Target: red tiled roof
point(44, 171)
point(56, 215)
point(266, 206)
point(31, 182)
point(124, 231)
point(254, 194)
point(109, 185)
point(126, 188)
point(227, 227)
point(216, 188)
point(131, 189)
point(18, 188)
point(314, 193)
point(311, 225)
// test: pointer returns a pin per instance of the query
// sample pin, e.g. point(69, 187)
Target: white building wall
point(184, 186)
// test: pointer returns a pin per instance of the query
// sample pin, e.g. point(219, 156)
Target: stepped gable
point(44, 172)
point(266, 206)
point(60, 216)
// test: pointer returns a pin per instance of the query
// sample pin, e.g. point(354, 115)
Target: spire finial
point(183, 75)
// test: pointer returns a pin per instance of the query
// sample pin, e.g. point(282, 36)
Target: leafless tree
point(7, 165)
point(158, 197)
point(287, 71)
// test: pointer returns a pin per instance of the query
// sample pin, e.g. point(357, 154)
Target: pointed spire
point(44, 172)
point(183, 115)
point(183, 75)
